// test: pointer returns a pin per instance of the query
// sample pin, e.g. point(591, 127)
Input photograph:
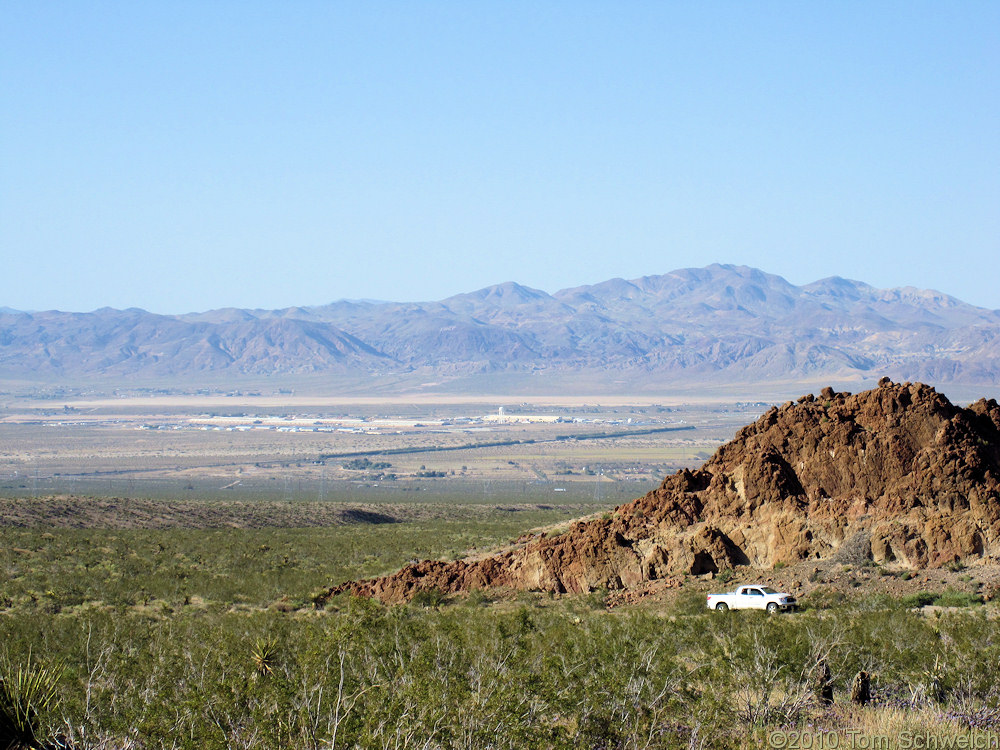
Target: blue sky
point(182, 156)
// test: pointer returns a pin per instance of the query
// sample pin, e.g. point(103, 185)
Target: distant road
point(409, 450)
point(501, 443)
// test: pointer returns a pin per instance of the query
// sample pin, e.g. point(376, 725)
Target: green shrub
point(823, 598)
point(919, 599)
point(947, 598)
point(433, 597)
point(952, 598)
point(597, 599)
point(477, 598)
point(532, 671)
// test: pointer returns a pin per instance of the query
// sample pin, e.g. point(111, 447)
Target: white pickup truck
point(752, 597)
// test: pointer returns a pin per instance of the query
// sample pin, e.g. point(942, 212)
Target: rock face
point(913, 476)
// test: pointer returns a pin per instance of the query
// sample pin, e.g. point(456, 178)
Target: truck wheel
point(772, 607)
point(722, 607)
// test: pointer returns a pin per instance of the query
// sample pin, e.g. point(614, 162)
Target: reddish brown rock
point(901, 464)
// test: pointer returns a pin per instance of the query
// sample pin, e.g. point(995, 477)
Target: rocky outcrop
point(915, 476)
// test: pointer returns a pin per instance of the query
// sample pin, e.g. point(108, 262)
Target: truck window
point(756, 592)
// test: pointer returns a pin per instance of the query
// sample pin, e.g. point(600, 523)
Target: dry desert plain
point(285, 447)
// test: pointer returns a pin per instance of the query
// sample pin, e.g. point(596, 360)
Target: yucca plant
point(27, 694)
point(264, 654)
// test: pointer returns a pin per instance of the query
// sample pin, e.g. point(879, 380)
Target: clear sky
point(182, 156)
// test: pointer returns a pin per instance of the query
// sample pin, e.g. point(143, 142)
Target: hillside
point(720, 324)
point(897, 471)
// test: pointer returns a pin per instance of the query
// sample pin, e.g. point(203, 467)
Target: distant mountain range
point(717, 324)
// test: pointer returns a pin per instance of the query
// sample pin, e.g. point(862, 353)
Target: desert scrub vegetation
point(530, 673)
point(209, 638)
point(62, 568)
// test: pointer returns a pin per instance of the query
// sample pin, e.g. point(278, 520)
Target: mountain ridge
point(721, 323)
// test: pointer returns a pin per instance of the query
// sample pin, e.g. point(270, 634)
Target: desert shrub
point(946, 598)
point(757, 674)
point(856, 550)
point(477, 598)
point(952, 598)
point(597, 599)
point(222, 671)
point(558, 675)
point(433, 597)
point(918, 599)
point(690, 602)
point(823, 598)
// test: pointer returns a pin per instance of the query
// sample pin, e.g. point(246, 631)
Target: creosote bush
point(540, 674)
point(947, 598)
point(201, 661)
point(429, 598)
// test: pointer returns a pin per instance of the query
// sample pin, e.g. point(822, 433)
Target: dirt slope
point(898, 467)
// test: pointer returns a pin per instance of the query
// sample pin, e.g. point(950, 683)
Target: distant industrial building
point(501, 417)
